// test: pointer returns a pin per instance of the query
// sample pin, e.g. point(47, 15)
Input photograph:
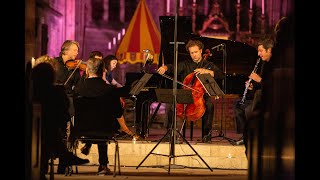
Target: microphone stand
point(224, 87)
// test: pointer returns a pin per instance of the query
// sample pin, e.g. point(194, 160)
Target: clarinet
point(249, 81)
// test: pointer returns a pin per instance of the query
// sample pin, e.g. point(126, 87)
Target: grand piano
point(236, 59)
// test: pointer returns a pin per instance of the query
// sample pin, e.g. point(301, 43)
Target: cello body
point(192, 112)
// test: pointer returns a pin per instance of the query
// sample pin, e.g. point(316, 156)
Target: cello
point(194, 111)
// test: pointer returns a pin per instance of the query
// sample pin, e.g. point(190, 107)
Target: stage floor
point(89, 172)
point(218, 136)
point(228, 161)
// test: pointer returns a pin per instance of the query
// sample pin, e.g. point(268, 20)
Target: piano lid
point(240, 57)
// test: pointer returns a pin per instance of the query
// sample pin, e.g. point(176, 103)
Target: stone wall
point(227, 114)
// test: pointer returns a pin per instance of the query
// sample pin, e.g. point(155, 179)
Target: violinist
point(197, 65)
point(68, 53)
point(73, 64)
point(69, 78)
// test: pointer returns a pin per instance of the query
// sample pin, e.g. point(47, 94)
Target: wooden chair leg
point(115, 159)
point(51, 167)
point(75, 153)
point(191, 130)
point(118, 154)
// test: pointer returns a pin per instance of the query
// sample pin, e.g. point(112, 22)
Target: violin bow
point(73, 72)
point(162, 59)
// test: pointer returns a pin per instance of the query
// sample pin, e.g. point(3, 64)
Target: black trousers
point(207, 117)
point(103, 151)
point(241, 115)
point(242, 112)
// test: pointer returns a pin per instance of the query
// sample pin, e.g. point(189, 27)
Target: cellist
point(197, 65)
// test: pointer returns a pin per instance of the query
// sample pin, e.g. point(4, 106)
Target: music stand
point(140, 84)
point(183, 96)
point(210, 85)
point(213, 89)
point(137, 89)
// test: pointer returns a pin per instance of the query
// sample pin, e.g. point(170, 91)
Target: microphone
point(217, 46)
point(146, 50)
point(148, 57)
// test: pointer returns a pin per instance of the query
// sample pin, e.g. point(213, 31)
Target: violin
point(73, 64)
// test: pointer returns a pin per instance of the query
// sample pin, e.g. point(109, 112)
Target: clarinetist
point(252, 89)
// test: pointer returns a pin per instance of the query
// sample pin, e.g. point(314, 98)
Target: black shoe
point(206, 139)
point(86, 149)
point(61, 168)
point(43, 177)
point(75, 160)
point(68, 171)
point(70, 159)
point(103, 170)
point(123, 135)
point(239, 142)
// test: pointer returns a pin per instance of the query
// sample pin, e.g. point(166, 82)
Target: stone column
point(238, 22)
point(105, 10)
point(263, 18)
point(250, 20)
point(88, 11)
point(181, 8)
point(168, 8)
point(70, 14)
point(194, 10)
point(238, 17)
point(205, 7)
point(29, 32)
point(122, 10)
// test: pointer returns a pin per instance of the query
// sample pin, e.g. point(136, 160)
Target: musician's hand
point(255, 77)
point(250, 85)
point(202, 71)
point(162, 69)
point(122, 102)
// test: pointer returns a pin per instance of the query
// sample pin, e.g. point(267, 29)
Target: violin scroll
point(206, 54)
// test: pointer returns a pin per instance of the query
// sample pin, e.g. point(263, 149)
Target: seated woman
point(110, 63)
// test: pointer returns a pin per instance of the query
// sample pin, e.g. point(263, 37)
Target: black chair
point(93, 121)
